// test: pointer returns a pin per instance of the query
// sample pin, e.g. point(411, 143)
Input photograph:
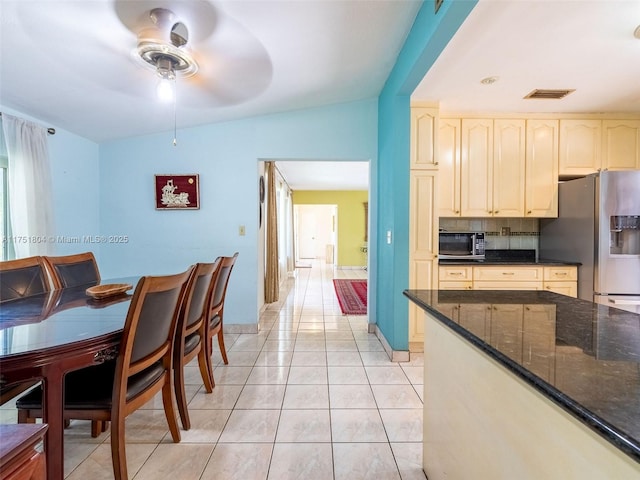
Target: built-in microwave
point(461, 245)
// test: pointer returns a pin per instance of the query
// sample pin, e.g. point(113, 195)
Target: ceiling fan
point(196, 41)
point(216, 60)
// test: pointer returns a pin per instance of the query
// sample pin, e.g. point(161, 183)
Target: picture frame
point(177, 192)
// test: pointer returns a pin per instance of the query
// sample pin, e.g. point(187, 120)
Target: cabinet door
point(508, 167)
point(475, 317)
point(423, 243)
point(539, 340)
point(423, 138)
point(541, 173)
point(423, 230)
point(621, 144)
point(570, 289)
point(580, 146)
point(476, 155)
point(421, 275)
point(506, 330)
point(449, 167)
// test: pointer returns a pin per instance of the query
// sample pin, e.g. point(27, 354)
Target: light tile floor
point(312, 396)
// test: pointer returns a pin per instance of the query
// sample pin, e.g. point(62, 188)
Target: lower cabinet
point(562, 279)
point(528, 344)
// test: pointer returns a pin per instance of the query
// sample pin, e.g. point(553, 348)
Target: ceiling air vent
point(549, 94)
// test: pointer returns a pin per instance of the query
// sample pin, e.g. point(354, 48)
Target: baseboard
point(394, 355)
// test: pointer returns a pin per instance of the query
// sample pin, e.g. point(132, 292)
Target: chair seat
point(92, 388)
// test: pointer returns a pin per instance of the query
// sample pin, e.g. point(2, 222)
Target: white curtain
point(29, 187)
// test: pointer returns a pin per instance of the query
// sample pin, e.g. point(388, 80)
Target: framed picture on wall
point(177, 192)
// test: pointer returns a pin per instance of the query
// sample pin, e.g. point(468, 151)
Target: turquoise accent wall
point(390, 269)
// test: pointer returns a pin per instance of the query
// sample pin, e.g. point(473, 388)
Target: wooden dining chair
point(22, 278)
point(191, 333)
point(73, 270)
point(217, 307)
point(111, 391)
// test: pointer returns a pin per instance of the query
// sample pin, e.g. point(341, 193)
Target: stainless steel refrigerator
point(598, 225)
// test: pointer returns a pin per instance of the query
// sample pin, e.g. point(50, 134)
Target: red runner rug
point(352, 296)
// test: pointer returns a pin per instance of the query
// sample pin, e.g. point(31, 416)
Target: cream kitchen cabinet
point(580, 146)
point(449, 167)
point(621, 144)
point(423, 243)
point(453, 277)
point(503, 335)
point(541, 169)
point(424, 134)
point(507, 277)
point(492, 171)
point(561, 279)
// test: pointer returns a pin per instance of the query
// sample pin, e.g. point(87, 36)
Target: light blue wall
point(390, 272)
point(74, 176)
point(226, 156)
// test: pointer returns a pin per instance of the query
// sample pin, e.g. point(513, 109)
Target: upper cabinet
point(580, 146)
point(590, 145)
point(449, 167)
point(541, 169)
point(492, 168)
point(424, 131)
point(621, 144)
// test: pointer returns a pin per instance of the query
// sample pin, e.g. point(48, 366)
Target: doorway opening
point(315, 233)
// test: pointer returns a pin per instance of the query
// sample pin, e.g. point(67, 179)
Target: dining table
point(45, 336)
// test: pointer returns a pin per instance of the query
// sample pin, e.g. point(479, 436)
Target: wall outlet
point(505, 231)
point(241, 231)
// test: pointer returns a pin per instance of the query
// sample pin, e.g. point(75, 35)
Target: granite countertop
point(508, 257)
point(583, 356)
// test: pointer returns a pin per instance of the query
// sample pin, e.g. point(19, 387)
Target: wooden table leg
point(52, 413)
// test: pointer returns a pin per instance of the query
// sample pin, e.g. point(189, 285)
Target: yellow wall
point(351, 220)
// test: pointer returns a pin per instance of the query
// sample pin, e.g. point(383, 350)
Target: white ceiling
point(586, 45)
point(318, 175)
point(68, 62)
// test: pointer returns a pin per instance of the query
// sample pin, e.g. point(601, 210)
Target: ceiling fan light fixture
point(165, 39)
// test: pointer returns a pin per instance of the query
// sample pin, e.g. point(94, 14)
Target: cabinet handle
point(435, 163)
point(457, 211)
point(507, 273)
point(455, 273)
point(488, 308)
point(496, 211)
point(561, 274)
point(529, 212)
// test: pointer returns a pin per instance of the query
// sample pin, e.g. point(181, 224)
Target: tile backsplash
point(501, 233)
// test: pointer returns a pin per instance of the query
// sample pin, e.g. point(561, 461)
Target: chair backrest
point(150, 327)
point(220, 286)
point(198, 297)
point(22, 278)
point(73, 270)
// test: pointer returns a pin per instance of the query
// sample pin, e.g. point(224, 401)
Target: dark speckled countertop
point(583, 356)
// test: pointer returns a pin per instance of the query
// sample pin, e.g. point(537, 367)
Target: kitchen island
point(529, 385)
